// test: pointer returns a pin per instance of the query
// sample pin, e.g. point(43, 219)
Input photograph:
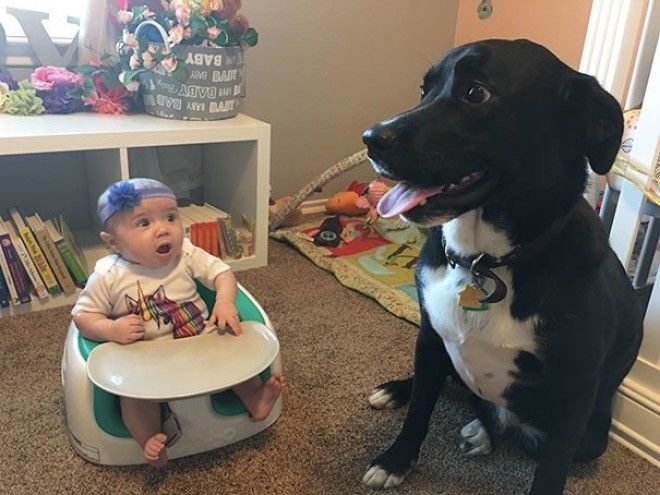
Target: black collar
point(481, 265)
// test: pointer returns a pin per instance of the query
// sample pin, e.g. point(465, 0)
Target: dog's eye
point(422, 93)
point(477, 94)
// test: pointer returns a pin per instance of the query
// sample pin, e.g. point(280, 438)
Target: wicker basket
point(212, 91)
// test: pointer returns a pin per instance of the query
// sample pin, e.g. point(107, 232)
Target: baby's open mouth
point(164, 248)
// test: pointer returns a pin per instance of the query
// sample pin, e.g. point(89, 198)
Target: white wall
point(324, 71)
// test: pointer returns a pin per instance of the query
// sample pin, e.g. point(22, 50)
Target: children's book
point(36, 253)
point(201, 228)
point(219, 216)
point(28, 263)
point(76, 270)
point(11, 288)
point(210, 227)
point(246, 235)
point(15, 276)
point(230, 237)
point(52, 254)
point(4, 292)
point(68, 236)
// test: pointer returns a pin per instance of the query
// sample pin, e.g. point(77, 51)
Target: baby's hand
point(127, 329)
point(223, 314)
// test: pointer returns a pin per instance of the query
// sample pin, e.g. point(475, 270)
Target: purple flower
point(60, 100)
point(8, 80)
point(123, 196)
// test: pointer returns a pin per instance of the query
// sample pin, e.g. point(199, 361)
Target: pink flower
point(43, 78)
point(170, 64)
point(124, 16)
point(107, 100)
point(130, 39)
point(183, 14)
point(105, 105)
point(176, 34)
point(134, 61)
point(213, 32)
point(148, 60)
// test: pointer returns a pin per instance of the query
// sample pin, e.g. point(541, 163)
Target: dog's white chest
point(481, 344)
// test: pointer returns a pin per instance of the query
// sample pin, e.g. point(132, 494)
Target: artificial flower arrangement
point(55, 90)
point(111, 84)
point(211, 23)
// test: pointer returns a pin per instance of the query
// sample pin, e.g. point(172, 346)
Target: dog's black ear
point(595, 118)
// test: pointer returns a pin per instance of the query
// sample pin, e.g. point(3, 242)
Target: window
point(61, 25)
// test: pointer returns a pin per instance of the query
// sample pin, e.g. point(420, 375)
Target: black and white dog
point(521, 297)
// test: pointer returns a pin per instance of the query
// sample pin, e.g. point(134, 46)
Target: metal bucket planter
point(212, 91)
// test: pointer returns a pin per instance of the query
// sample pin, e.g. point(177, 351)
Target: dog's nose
point(379, 137)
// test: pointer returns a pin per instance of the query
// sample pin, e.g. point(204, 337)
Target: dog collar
point(481, 265)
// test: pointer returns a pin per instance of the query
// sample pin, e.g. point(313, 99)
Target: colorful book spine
point(71, 241)
point(28, 264)
point(35, 252)
point(52, 254)
point(232, 245)
point(66, 252)
point(14, 269)
point(11, 288)
point(4, 292)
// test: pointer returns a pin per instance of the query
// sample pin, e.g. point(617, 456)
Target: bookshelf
point(56, 164)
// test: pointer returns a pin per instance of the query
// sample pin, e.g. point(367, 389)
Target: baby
point(146, 290)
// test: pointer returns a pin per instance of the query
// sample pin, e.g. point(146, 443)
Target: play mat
point(377, 260)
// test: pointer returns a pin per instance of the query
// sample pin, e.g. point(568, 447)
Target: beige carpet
point(336, 344)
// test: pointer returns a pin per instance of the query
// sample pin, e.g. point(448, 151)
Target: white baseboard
point(636, 420)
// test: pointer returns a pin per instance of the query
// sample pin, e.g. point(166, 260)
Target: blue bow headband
point(127, 194)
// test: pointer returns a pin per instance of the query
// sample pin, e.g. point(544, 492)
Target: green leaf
point(84, 69)
point(129, 75)
point(250, 37)
point(89, 87)
point(165, 19)
point(222, 39)
point(138, 11)
point(198, 25)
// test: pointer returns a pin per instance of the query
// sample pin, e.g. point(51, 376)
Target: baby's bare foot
point(268, 394)
point(154, 450)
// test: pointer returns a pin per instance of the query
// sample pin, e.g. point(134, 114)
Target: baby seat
point(207, 416)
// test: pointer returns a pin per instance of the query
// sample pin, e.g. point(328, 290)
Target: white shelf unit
point(61, 163)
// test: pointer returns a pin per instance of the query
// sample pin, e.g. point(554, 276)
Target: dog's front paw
point(384, 472)
point(391, 394)
point(379, 478)
point(475, 439)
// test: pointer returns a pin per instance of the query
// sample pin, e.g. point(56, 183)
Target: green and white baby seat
point(192, 376)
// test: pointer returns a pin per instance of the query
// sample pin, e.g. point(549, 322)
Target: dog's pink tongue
point(403, 197)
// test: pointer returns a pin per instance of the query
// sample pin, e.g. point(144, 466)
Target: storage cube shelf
point(56, 164)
